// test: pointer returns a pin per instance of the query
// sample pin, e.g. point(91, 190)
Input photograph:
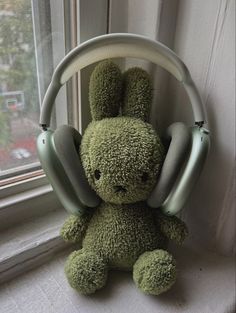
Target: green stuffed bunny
point(122, 157)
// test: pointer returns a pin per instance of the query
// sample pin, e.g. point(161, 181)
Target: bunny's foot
point(154, 272)
point(86, 271)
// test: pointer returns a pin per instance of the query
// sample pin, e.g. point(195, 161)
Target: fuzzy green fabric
point(122, 156)
point(86, 271)
point(74, 228)
point(121, 233)
point(155, 272)
point(105, 90)
point(172, 227)
point(122, 151)
point(136, 89)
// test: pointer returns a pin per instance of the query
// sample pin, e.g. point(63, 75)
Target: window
point(34, 36)
point(19, 93)
point(26, 197)
point(51, 29)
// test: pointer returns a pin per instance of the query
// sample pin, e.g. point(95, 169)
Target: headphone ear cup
point(179, 137)
point(67, 142)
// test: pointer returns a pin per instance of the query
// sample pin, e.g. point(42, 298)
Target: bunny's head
point(120, 151)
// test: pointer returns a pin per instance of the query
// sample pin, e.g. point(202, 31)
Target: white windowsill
point(205, 284)
point(27, 203)
point(23, 185)
point(206, 281)
point(30, 244)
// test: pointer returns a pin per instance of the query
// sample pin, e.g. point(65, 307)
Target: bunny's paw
point(74, 228)
point(86, 271)
point(154, 272)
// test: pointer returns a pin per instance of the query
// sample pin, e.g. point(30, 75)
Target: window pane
point(19, 97)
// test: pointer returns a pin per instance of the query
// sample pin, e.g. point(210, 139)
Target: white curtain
point(202, 33)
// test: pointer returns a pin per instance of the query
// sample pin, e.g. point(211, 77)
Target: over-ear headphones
point(58, 150)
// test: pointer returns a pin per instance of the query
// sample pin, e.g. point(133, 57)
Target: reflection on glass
point(19, 102)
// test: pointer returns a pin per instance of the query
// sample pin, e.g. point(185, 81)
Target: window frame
point(71, 15)
point(33, 198)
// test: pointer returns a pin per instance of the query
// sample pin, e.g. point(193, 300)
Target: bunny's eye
point(144, 177)
point(97, 174)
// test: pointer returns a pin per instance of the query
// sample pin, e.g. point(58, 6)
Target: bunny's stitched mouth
point(120, 189)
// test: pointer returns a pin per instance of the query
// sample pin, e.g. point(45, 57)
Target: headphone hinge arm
point(200, 124)
point(44, 127)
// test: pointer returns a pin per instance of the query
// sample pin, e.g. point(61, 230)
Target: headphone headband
point(116, 46)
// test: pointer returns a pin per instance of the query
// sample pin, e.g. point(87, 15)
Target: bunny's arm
point(172, 227)
point(74, 228)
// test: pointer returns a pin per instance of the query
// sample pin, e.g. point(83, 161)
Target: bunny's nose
point(120, 189)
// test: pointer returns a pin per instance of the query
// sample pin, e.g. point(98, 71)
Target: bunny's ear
point(105, 90)
point(137, 93)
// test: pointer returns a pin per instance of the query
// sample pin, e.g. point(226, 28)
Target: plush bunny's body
point(122, 157)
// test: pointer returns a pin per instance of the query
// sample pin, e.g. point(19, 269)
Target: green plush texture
point(105, 89)
point(154, 272)
point(74, 228)
point(86, 271)
point(121, 233)
point(172, 227)
point(137, 89)
point(122, 157)
point(122, 149)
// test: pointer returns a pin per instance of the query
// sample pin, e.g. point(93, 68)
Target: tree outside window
point(19, 101)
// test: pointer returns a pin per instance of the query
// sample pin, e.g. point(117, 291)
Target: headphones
point(58, 150)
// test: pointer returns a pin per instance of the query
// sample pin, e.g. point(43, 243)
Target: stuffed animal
point(122, 157)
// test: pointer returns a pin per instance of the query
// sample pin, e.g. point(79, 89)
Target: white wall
point(155, 19)
point(205, 40)
point(202, 32)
